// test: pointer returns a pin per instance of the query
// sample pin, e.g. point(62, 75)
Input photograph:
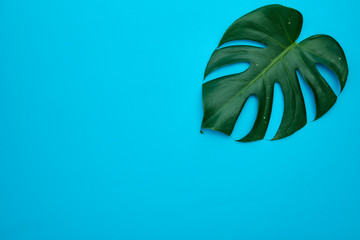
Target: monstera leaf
point(277, 27)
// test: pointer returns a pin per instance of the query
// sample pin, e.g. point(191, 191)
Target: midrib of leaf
point(263, 72)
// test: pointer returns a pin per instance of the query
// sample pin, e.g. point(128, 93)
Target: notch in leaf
point(277, 27)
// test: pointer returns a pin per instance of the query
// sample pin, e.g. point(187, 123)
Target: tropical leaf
point(277, 27)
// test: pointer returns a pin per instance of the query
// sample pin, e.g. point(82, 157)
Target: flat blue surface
point(100, 112)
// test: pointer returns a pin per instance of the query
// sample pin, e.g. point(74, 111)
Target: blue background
point(100, 112)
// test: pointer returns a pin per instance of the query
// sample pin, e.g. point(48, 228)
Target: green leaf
point(277, 27)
